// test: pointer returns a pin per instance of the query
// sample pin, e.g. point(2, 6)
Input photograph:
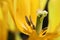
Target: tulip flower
point(27, 16)
point(33, 5)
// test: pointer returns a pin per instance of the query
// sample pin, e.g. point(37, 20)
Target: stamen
point(32, 23)
point(45, 28)
point(27, 20)
point(44, 33)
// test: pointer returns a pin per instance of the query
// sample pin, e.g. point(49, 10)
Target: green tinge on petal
point(11, 23)
point(54, 15)
point(17, 36)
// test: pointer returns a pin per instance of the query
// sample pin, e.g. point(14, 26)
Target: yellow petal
point(23, 9)
point(54, 15)
point(3, 22)
point(58, 38)
point(43, 4)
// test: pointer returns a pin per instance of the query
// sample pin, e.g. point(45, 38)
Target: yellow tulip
point(21, 15)
point(32, 7)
